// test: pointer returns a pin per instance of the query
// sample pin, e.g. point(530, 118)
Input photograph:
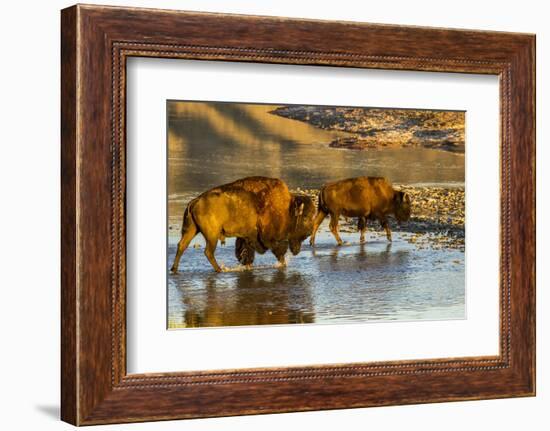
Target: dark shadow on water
point(361, 254)
point(362, 258)
point(249, 298)
point(52, 411)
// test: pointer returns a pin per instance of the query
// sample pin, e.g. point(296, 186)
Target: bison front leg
point(386, 226)
point(316, 223)
point(334, 227)
point(279, 250)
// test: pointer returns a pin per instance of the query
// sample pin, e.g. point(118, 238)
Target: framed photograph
point(265, 215)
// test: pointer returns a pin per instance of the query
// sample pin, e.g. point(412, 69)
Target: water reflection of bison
point(371, 198)
point(260, 212)
point(277, 298)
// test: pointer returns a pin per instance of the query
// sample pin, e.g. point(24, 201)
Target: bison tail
point(188, 221)
point(321, 206)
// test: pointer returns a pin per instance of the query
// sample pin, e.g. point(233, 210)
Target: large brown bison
point(259, 211)
point(371, 198)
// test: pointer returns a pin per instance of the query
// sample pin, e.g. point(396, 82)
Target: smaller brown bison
point(367, 198)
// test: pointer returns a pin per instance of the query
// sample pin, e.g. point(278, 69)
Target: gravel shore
point(387, 127)
point(437, 219)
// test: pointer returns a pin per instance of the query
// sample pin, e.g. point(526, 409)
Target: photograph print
point(299, 214)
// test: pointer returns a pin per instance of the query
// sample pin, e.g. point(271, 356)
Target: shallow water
point(327, 284)
point(214, 143)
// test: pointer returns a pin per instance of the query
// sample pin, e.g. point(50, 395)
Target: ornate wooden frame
point(95, 43)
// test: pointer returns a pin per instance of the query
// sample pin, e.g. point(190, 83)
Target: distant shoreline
point(378, 127)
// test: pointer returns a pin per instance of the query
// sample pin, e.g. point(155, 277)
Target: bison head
point(302, 212)
point(402, 206)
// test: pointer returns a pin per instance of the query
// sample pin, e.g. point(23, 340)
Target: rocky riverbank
point(437, 219)
point(376, 127)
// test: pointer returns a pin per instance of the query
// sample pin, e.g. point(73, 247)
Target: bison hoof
point(174, 270)
point(223, 268)
point(281, 261)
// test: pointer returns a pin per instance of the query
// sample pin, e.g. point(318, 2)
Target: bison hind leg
point(244, 252)
point(334, 228)
point(211, 243)
point(188, 234)
point(362, 226)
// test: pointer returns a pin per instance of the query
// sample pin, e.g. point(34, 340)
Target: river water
point(215, 143)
